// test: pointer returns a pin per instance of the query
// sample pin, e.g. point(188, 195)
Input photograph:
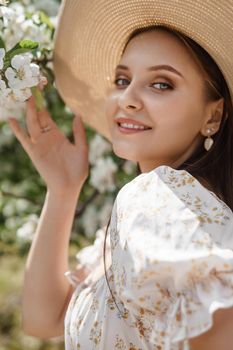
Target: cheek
point(180, 111)
point(176, 120)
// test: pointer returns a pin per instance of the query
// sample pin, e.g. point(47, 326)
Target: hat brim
point(91, 35)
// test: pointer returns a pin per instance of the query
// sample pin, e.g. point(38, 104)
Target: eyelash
point(170, 87)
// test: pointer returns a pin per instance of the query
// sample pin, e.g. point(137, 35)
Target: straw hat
point(91, 36)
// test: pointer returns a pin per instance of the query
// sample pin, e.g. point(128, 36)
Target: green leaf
point(22, 47)
point(28, 44)
point(45, 20)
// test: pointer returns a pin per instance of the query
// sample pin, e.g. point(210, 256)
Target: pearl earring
point(208, 141)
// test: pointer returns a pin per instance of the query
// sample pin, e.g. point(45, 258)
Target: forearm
point(46, 289)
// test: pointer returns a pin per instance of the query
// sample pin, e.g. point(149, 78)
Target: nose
point(129, 99)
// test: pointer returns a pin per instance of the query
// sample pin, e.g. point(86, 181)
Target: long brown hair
point(215, 166)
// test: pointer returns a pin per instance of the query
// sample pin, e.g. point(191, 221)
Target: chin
point(125, 155)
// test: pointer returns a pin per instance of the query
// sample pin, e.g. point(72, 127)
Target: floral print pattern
point(170, 267)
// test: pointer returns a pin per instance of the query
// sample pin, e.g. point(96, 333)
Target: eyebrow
point(155, 68)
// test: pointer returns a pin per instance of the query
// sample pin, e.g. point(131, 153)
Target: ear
point(214, 116)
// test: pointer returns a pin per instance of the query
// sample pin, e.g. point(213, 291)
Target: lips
point(131, 121)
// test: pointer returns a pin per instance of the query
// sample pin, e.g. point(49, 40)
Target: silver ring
point(46, 129)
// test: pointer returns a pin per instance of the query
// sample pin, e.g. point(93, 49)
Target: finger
point(45, 119)
point(79, 132)
point(20, 134)
point(32, 122)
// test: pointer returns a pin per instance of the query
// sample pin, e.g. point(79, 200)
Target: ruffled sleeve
point(173, 264)
point(90, 260)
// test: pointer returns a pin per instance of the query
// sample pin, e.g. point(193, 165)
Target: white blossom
point(3, 86)
point(97, 148)
point(21, 95)
point(6, 13)
point(23, 74)
point(16, 27)
point(37, 33)
point(102, 174)
point(27, 231)
point(9, 106)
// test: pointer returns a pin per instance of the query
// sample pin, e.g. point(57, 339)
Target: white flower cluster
point(97, 148)
point(16, 83)
point(101, 178)
point(15, 26)
point(17, 79)
point(102, 172)
point(27, 231)
point(93, 218)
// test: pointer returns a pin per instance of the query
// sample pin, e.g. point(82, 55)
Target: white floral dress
point(170, 266)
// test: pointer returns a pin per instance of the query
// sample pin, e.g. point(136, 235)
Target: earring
point(208, 141)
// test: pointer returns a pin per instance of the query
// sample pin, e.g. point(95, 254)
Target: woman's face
point(169, 100)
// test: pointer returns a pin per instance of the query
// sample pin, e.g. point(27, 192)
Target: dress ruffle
point(178, 266)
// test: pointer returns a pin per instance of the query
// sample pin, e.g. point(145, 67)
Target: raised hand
point(62, 164)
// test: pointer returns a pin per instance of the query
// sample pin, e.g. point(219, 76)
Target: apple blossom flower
point(23, 74)
point(98, 147)
point(102, 174)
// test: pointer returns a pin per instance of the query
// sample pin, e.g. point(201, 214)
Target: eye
point(117, 80)
point(165, 86)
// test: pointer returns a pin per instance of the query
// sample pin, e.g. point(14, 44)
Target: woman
point(168, 281)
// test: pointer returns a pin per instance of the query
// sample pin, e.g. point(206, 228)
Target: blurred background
point(22, 191)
